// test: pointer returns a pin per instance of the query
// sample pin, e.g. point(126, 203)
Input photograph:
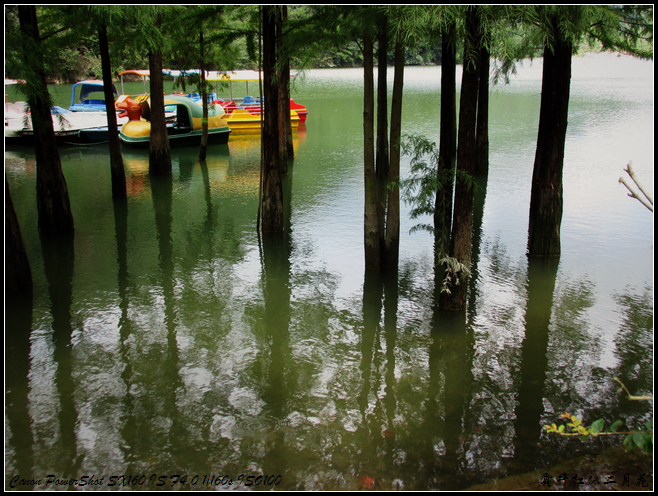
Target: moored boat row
point(86, 119)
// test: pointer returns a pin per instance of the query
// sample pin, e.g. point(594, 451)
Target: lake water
point(168, 340)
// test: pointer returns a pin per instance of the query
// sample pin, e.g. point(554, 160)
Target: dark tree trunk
point(286, 148)
point(448, 141)
point(382, 99)
point(546, 195)
point(159, 152)
point(371, 219)
point(382, 151)
point(204, 101)
point(116, 160)
point(272, 206)
point(18, 275)
point(53, 204)
point(482, 129)
point(460, 243)
point(393, 205)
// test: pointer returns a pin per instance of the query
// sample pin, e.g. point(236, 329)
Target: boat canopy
point(176, 73)
point(87, 88)
point(189, 112)
point(91, 86)
point(245, 75)
point(136, 72)
point(143, 73)
point(196, 110)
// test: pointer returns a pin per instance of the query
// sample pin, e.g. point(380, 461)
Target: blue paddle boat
point(88, 96)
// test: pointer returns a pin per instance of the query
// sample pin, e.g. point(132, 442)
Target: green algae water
point(168, 347)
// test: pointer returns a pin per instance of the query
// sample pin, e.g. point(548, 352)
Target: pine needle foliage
point(425, 179)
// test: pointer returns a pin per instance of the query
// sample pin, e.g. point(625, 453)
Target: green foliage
point(454, 271)
point(642, 439)
point(426, 178)
point(420, 190)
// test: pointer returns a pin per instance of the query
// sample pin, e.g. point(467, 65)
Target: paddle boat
point(184, 128)
point(89, 96)
point(83, 123)
point(243, 116)
point(70, 128)
point(241, 119)
point(249, 103)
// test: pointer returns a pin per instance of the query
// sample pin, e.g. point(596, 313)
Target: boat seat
point(182, 119)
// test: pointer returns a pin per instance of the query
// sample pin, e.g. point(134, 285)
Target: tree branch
point(632, 193)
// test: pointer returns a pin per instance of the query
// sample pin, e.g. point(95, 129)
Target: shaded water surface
point(168, 340)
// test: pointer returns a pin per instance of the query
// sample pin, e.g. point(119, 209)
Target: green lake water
point(167, 340)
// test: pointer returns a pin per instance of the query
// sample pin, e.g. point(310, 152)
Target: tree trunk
point(159, 152)
point(204, 101)
point(272, 203)
point(482, 128)
point(448, 141)
point(116, 160)
point(460, 243)
point(382, 152)
point(371, 219)
point(393, 205)
point(546, 195)
point(286, 149)
point(18, 275)
point(262, 113)
point(53, 204)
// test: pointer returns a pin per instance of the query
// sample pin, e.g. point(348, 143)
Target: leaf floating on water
point(367, 483)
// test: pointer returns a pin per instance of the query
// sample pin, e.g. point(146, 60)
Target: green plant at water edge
point(642, 438)
point(454, 271)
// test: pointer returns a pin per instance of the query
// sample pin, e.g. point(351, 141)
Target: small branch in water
point(630, 396)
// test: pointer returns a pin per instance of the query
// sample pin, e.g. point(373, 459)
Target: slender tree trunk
point(116, 160)
point(482, 130)
point(448, 141)
point(286, 77)
point(272, 207)
point(546, 195)
point(204, 101)
point(159, 152)
point(262, 113)
point(393, 205)
point(382, 152)
point(18, 275)
point(371, 219)
point(53, 204)
point(460, 243)
point(286, 149)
